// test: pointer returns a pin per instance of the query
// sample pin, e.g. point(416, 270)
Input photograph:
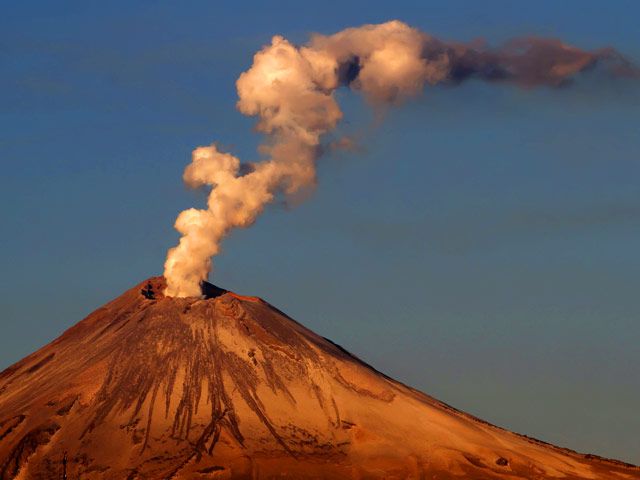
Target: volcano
point(227, 386)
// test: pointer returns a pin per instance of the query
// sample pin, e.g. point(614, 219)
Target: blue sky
point(482, 245)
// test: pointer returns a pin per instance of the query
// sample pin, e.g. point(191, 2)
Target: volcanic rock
point(228, 387)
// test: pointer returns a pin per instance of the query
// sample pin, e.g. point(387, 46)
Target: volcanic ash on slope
point(225, 386)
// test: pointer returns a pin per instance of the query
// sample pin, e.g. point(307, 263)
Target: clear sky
point(481, 246)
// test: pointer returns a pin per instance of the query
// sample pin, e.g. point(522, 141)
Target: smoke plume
point(290, 89)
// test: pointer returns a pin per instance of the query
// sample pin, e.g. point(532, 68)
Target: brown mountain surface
point(226, 386)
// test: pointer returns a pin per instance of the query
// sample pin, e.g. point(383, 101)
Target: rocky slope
point(226, 386)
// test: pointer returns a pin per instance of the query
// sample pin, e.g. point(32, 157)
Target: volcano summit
point(226, 386)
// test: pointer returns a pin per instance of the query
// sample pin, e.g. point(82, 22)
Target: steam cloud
point(291, 91)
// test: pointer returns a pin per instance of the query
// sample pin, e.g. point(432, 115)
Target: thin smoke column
point(291, 90)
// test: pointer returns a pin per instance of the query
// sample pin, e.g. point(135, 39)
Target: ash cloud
point(290, 89)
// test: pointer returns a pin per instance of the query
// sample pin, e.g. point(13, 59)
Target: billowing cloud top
point(290, 89)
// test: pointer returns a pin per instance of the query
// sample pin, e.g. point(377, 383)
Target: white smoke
point(291, 91)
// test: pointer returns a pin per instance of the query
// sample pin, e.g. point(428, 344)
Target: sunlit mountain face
point(227, 386)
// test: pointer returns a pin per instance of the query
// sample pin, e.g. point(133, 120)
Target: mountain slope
point(226, 386)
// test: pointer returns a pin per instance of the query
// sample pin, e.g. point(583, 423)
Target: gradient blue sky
point(482, 246)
